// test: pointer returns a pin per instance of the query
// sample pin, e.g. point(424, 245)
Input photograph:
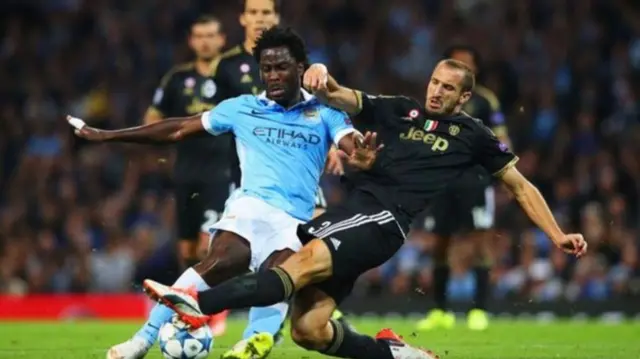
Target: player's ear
point(276, 19)
point(242, 20)
point(464, 97)
point(300, 69)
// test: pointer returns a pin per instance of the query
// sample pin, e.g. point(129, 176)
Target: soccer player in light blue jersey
point(283, 137)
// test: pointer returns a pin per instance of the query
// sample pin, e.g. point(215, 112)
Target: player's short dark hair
point(469, 79)
point(276, 5)
point(475, 54)
point(205, 19)
point(282, 37)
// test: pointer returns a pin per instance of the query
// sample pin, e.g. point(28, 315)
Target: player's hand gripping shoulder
point(363, 152)
point(327, 90)
point(538, 211)
point(166, 131)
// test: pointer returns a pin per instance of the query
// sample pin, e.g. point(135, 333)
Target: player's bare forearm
point(167, 131)
point(359, 151)
point(532, 202)
point(347, 144)
point(328, 91)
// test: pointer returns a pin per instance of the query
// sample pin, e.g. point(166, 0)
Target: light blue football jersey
point(282, 152)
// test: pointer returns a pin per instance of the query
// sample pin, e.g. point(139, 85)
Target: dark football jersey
point(422, 154)
point(485, 106)
point(184, 92)
point(238, 73)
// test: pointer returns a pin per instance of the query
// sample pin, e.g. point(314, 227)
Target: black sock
point(347, 344)
point(251, 290)
point(482, 287)
point(440, 281)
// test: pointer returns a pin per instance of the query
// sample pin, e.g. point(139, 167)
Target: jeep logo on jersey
point(287, 138)
point(437, 143)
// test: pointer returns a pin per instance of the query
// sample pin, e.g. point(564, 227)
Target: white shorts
point(266, 228)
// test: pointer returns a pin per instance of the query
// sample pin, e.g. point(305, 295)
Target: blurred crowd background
point(78, 218)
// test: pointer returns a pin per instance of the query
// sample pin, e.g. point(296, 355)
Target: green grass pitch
point(515, 339)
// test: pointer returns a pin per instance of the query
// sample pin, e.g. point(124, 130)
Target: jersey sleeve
point(370, 106)
point(338, 123)
point(162, 98)
point(492, 154)
point(220, 119)
point(381, 108)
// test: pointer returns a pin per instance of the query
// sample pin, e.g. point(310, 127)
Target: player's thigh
point(266, 229)
point(213, 197)
point(311, 264)
point(311, 311)
point(277, 258)
point(229, 255)
point(359, 238)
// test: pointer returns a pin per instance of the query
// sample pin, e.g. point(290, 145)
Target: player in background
point(426, 148)
point(202, 183)
point(466, 208)
point(283, 137)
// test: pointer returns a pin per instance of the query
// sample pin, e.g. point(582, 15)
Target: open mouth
point(435, 104)
point(260, 30)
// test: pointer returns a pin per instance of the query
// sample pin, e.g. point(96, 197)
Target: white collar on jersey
point(306, 96)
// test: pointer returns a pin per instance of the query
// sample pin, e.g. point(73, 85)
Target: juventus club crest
point(209, 88)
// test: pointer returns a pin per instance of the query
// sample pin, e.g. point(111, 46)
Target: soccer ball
point(178, 342)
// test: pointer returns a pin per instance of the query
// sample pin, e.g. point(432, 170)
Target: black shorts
point(198, 206)
point(463, 208)
point(361, 234)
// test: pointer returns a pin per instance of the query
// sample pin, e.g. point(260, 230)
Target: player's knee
point(228, 256)
point(312, 337)
point(311, 264)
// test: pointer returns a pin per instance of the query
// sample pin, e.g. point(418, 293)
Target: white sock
point(191, 277)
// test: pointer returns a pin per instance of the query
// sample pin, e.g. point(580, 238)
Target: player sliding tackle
point(283, 137)
point(426, 149)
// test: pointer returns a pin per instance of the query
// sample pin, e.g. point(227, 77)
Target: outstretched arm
point(538, 211)
point(167, 131)
point(215, 122)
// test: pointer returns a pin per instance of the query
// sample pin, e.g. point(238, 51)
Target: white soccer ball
point(178, 342)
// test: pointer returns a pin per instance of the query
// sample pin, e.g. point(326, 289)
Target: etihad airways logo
point(287, 138)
